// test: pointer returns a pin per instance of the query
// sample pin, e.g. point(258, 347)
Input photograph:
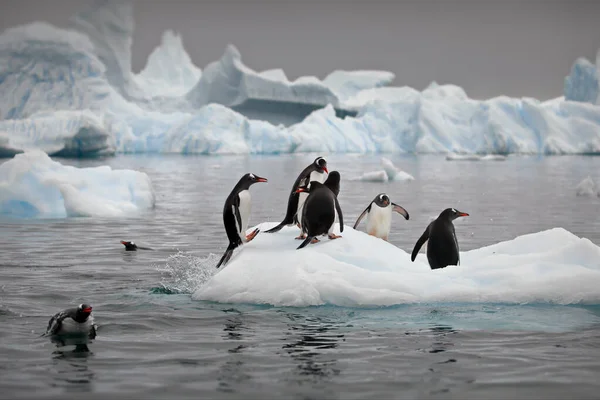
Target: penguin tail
point(228, 253)
point(277, 228)
point(306, 242)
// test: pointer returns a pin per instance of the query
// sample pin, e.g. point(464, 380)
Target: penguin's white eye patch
point(380, 197)
point(81, 306)
point(252, 176)
point(453, 210)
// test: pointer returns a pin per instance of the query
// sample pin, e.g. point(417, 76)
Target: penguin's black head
point(250, 179)
point(452, 213)
point(333, 182)
point(382, 200)
point(129, 246)
point(320, 164)
point(83, 312)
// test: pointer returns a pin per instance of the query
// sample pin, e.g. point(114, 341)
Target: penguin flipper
point(306, 241)
point(361, 216)
point(236, 211)
point(400, 210)
point(55, 323)
point(339, 211)
point(419, 244)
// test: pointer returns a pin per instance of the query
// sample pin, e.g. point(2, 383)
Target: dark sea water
point(155, 342)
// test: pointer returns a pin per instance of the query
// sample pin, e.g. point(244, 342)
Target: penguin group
point(313, 207)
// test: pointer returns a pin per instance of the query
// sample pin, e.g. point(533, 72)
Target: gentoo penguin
point(442, 249)
point(315, 172)
point(131, 246)
point(379, 216)
point(318, 215)
point(76, 320)
point(236, 212)
point(333, 183)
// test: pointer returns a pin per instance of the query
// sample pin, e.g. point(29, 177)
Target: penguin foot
point(301, 237)
point(334, 236)
point(252, 235)
point(315, 240)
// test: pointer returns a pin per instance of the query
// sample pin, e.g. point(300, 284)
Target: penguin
point(315, 172)
point(131, 246)
point(318, 215)
point(78, 320)
point(236, 212)
point(379, 216)
point(442, 249)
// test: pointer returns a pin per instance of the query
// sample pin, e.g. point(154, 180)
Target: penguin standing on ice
point(379, 216)
point(315, 172)
point(72, 321)
point(442, 249)
point(236, 212)
point(318, 214)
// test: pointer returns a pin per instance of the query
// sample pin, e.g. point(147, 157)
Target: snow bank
point(552, 266)
point(34, 186)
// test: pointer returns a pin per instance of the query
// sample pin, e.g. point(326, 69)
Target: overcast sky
point(490, 47)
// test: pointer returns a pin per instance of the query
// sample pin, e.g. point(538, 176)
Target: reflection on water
point(71, 367)
point(307, 341)
point(232, 373)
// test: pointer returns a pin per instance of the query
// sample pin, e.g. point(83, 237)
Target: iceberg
point(32, 185)
point(552, 267)
point(587, 187)
point(583, 83)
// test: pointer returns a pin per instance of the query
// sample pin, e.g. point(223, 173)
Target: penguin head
point(250, 179)
point(452, 213)
point(129, 245)
point(333, 182)
point(83, 312)
point(382, 200)
point(320, 164)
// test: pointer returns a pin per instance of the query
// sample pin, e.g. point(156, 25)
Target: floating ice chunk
point(552, 266)
point(61, 133)
point(587, 187)
point(393, 173)
point(375, 176)
point(34, 186)
point(475, 157)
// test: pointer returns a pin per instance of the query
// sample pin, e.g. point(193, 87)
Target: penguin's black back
point(319, 210)
point(442, 248)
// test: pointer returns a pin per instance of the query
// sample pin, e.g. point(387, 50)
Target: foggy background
point(489, 47)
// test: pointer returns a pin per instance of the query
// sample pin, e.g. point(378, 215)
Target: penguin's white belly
point(314, 176)
point(70, 326)
point(379, 221)
point(245, 207)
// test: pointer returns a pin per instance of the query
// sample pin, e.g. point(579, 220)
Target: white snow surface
point(358, 270)
point(32, 185)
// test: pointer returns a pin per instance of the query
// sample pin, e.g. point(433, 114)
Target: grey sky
point(490, 47)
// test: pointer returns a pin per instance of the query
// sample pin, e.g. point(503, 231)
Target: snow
point(32, 185)
point(583, 83)
point(587, 187)
point(82, 78)
point(359, 270)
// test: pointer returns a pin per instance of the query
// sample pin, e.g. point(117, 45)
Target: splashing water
point(184, 273)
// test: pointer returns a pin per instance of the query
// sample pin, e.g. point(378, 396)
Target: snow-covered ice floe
point(389, 173)
point(32, 185)
point(475, 157)
point(358, 270)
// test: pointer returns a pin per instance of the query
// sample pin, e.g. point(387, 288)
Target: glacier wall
point(71, 92)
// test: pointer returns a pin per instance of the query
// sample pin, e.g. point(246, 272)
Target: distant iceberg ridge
point(72, 92)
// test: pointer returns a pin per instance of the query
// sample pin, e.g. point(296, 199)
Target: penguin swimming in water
point(131, 246)
point(442, 249)
point(315, 172)
point(236, 212)
point(320, 208)
point(379, 216)
point(76, 320)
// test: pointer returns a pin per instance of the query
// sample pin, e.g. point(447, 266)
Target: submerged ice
point(172, 106)
point(32, 185)
point(358, 270)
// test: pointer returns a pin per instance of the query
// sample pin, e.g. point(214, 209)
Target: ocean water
point(155, 342)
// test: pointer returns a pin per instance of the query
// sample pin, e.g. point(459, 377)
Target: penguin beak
point(124, 242)
point(462, 214)
point(259, 179)
point(87, 310)
point(325, 169)
point(299, 190)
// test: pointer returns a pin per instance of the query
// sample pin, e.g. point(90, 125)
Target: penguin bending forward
point(318, 215)
point(315, 172)
point(76, 320)
point(442, 249)
point(236, 212)
point(379, 216)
